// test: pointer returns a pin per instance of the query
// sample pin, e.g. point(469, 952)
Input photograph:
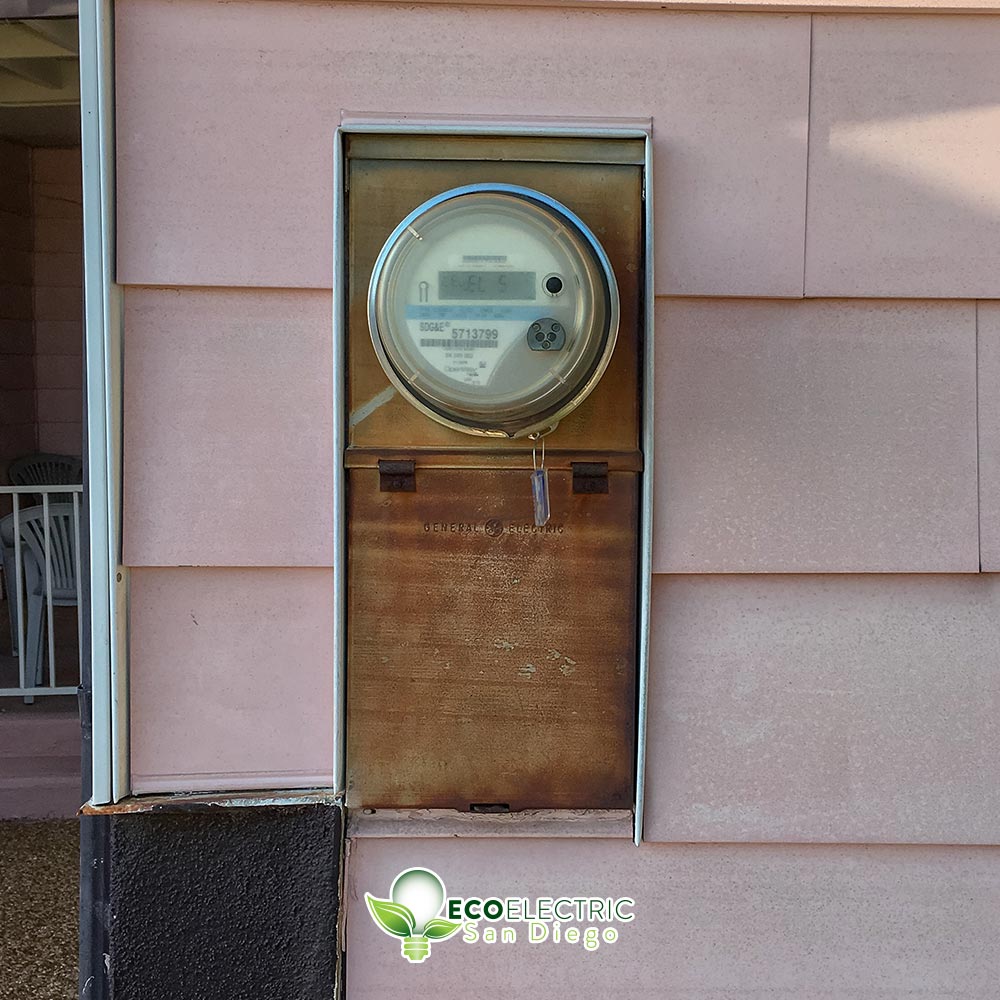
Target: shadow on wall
point(904, 158)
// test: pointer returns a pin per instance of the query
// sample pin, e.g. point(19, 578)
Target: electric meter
point(493, 309)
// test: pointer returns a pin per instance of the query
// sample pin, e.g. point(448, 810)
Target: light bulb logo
point(411, 913)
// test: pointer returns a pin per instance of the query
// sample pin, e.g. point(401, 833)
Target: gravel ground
point(39, 887)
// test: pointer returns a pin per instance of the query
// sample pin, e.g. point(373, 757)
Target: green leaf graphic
point(393, 918)
point(439, 929)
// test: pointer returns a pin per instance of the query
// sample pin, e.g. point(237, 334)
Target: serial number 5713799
point(473, 333)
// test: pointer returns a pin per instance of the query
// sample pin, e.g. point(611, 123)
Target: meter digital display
point(486, 285)
point(493, 309)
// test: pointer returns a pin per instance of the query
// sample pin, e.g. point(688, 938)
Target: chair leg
point(33, 645)
point(12, 614)
point(10, 590)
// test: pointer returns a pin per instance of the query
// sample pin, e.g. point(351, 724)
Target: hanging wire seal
point(535, 438)
point(539, 483)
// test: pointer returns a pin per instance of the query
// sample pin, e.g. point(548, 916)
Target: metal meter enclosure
point(492, 295)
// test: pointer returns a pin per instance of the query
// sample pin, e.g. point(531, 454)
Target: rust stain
point(534, 732)
point(452, 579)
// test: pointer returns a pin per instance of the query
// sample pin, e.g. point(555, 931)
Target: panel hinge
point(397, 477)
point(590, 477)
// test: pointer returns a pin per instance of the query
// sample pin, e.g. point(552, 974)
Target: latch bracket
point(397, 477)
point(590, 477)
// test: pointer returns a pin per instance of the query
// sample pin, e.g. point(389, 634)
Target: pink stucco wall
point(904, 156)
point(247, 105)
point(825, 709)
point(228, 392)
point(744, 921)
point(232, 686)
point(824, 665)
point(824, 435)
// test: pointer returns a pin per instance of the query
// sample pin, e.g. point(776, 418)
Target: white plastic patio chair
point(42, 468)
point(63, 566)
point(9, 579)
point(46, 469)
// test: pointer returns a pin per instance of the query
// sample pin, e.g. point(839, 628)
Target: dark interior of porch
point(41, 406)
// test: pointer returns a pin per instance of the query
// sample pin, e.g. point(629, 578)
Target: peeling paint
point(365, 410)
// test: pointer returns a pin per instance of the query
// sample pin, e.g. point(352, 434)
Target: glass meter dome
point(493, 309)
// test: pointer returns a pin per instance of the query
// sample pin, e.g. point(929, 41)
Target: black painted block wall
point(227, 903)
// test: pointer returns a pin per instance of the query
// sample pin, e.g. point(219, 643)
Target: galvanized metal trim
point(102, 312)
point(550, 149)
point(646, 502)
point(339, 328)
point(582, 128)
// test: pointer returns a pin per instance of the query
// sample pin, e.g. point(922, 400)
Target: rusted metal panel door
point(491, 662)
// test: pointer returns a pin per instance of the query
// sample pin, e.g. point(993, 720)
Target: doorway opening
point(41, 417)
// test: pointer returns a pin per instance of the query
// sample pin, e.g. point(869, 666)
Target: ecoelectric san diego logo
point(413, 914)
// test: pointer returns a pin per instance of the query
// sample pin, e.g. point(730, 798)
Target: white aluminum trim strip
point(339, 485)
point(646, 512)
point(119, 581)
point(102, 317)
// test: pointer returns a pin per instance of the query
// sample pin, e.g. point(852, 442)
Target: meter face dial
point(493, 309)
